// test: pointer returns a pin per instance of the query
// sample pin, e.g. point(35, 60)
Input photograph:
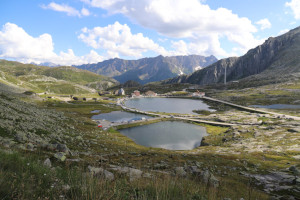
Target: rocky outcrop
point(275, 58)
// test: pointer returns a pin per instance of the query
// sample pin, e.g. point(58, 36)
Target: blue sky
point(71, 32)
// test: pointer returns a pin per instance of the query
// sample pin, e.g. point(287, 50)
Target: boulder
point(209, 179)
point(100, 172)
point(21, 137)
point(47, 163)
point(60, 156)
point(62, 148)
point(30, 147)
point(134, 174)
point(294, 130)
point(179, 171)
point(295, 170)
point(131, 172)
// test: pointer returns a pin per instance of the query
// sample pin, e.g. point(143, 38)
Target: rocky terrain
point(58, 80)
point(276, 60)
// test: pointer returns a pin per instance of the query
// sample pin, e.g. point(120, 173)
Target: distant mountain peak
point(146, 70)
point(277, 59)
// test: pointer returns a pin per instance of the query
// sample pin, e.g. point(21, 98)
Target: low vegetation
point(51, 149)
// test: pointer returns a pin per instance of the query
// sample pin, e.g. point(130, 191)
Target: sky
point(73, 32)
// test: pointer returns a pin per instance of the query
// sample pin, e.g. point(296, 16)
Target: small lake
point(277, 106)
point(168, 135)
point(119, 116)
point(168, 105)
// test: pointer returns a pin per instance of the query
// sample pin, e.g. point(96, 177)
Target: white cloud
point(181, 19)
point(283, 32)
point(295, 6)
point(264, 24)
point(70, 11)
point(117, 40)
point(18, 45)
point(85, 12)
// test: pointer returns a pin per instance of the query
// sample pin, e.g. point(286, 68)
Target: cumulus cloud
point(18, 45)
point(70, 11)
point(264, 24)
point(283, 32)
point(181, 19)
point(295, 6)
point(117, 40)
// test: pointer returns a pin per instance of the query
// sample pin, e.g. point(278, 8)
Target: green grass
point(23, 176)
point(59, 80)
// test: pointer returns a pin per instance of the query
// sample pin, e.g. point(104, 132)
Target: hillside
point(60, 80)
point(149, 69)
point(276, 60)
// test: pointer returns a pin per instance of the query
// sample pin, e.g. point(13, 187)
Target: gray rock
point(47, 163)
point(147, 175)
point(295, 170)
point(100, 172)
point(135, 174)
point(131, 172)
point(62, 148)
point(195, 171)
point(179, 171)
point(294, 130)
point(209, 179)
point(21, 137)
point(60, 156)
point(213, 181)
point(30, 146)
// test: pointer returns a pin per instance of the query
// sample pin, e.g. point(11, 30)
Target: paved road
point(252, 109)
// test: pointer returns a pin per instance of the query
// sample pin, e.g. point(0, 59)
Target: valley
point(258, 146)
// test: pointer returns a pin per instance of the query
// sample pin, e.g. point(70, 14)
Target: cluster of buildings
point(198, 94)
point(149, 93)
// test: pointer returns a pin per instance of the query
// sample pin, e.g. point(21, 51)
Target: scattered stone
point(66, 188)
point(294, 130)
point(21, 137)
point(209, 179)
point(161, 165)
point(30, 146)
point(47, 163)
point(179, 171)
point(60, 156)
point(62, 148)
point(134, 174)
point(147, 175)
point(100, 172)
point(195, 171)
point(295, 170)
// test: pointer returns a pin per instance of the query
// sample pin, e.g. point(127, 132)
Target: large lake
point(168, 105)
point(119, 116)
point(168, 135)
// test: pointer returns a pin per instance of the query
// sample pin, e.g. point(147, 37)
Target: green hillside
point(59, 80)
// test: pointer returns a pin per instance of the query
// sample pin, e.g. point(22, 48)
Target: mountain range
point(149, 69)
point(277, 59)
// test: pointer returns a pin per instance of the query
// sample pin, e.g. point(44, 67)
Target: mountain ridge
point(151, 69)
point(277, 58)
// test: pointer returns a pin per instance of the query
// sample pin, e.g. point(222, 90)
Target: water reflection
point(168, 135)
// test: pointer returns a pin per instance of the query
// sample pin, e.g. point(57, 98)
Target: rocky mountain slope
point(277, 59)
point(149, 69)
point(60, 80)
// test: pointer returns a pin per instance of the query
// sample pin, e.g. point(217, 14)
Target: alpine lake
point(172, 135)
